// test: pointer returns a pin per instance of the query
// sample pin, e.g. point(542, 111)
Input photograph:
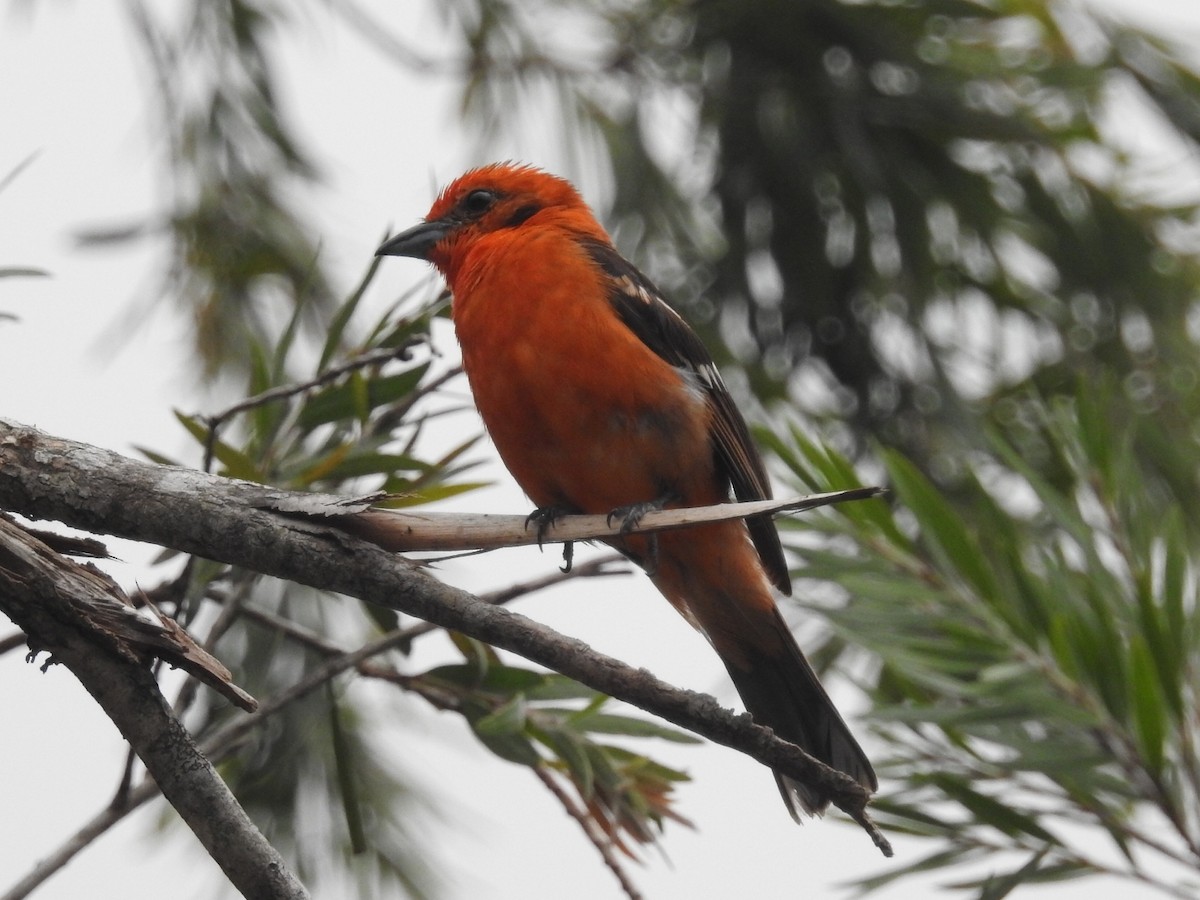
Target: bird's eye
point(478, 202)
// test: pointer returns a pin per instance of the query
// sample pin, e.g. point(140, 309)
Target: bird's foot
point(545, 517)
point(631, 516)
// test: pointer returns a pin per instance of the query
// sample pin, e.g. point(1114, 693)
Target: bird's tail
point(712, 575)
point(781, 691)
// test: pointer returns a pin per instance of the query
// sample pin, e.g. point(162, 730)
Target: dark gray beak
point(418, 242)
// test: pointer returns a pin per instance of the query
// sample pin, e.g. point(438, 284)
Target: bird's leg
point(631, 515)
point(545, 517)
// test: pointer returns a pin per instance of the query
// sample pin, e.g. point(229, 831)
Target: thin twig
point(602, 843)
point(600, 567)
point(12, 642)
point(412, 530)
point(285, 391)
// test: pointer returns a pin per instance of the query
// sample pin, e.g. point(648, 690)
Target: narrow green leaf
point(572, 751)
point(265, 418)
point(355, 465)
point(503, 732)
point(1062, 510)
point(988, 811)
point(513, 746)
point(997, 887)
point(1091, 421)
point(322, 468)
point(939, 859)
point(356, 397)
point(1146, 702)
point(478, 655)
point(496, 678)
point(426, 495)
point(559, 687)
point(1175, 596)
point(343, 761)
point(385, 619)
point(509, 718)
point(236, 463)
point(360, 395)
point(283, 346)
point(941, 525)
point(155, 457)
point(609, 723)
point(341, 318)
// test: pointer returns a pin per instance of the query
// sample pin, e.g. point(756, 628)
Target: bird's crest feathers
point(509, 182)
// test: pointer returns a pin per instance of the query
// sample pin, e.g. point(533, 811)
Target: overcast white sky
point(69, 90)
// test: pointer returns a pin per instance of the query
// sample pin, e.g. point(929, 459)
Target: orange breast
point(583, 414)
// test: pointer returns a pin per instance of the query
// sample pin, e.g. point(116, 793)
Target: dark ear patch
point(521, 214)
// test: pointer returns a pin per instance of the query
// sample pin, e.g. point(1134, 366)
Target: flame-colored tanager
point(600, 398)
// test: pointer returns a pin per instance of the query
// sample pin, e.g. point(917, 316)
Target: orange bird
point(600, 399)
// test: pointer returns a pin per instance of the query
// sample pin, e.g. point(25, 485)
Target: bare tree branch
point(68, 610)
point(408, 530)
point(94, 604)
point(223, 519)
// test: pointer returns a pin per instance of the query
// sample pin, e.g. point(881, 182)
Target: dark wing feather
point(641, 307)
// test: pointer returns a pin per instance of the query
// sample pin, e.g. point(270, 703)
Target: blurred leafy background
point(918, 241)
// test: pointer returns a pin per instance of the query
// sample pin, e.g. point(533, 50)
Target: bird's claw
point(545, 517)
point(631, 515)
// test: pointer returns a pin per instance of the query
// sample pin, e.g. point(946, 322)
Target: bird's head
point(487, 200)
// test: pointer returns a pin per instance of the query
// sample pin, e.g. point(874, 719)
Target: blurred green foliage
point(1034, 652)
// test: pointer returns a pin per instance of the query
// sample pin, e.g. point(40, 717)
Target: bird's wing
point(642, 308)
